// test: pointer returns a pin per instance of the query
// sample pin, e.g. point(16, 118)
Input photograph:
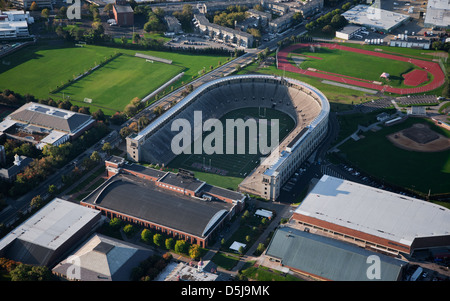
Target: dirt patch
point(420, 138)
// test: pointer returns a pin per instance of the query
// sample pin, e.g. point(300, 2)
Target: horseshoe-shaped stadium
point(305, 104)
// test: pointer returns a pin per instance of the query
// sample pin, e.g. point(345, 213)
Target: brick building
point(177, 205)
point(123, 13)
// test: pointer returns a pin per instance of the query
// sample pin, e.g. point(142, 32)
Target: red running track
point(431, 67)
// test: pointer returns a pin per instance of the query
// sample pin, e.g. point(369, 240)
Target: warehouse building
point(373, 218)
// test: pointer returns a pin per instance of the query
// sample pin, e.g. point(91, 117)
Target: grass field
point(418, 171)
point(236, 166)
point(113, 85)
point(355, 64)
point(40, 68)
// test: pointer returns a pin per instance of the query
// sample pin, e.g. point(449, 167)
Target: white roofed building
point(14, 24)
point(373, 218)
point(49, 233)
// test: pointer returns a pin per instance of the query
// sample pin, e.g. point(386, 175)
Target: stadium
point(306, 105)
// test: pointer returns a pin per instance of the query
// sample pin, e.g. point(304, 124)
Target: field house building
point(177, 205)
point(42, 124)
point(372, 218)
point(305, 104)
point(50, 233)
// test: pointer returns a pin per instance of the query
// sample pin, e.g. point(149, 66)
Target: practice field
point(41, 68)
point(420, 171)
point(235, 165)
point(112, 86)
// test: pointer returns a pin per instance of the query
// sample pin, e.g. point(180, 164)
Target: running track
point(431, 67)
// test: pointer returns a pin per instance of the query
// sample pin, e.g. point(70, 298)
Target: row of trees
point(180, 246)
point(24, 272)
point(329, 22)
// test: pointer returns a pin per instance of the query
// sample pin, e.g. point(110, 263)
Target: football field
point(236, 164)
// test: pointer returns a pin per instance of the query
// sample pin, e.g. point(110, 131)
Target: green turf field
point(113, 85)
point(233, 165)
point(354, 64)
point(41, 68)
point(419, 171)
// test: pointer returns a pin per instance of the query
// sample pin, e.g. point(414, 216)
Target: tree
point(136, 38)
point(34, 6)
point(36, 202)
point(99, 115)
point(328, 29)
point(297, 18)
point(125, 132)
point(107, 148)
point(95, 157)
point(170, 243)
point(146, 235)
point(45, 13)
point(115, 223)
point(52, 189)
point(260, 248)
point(181, 246)
point(24, 272)
point(241, 250)
point(128, 229)
point(158, 239)
point(194, 251)
point(130, 110)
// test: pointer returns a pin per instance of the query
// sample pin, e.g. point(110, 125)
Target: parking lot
point(196, 41)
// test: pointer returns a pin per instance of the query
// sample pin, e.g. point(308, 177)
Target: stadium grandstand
point(306, 105)
point(372, 218)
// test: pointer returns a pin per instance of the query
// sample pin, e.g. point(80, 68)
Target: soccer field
point(234, 165)
point(352, 64)
point(112, 86)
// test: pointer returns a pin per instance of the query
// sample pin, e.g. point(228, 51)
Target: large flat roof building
point(176, 204)
point(324, 258)
point(373, 218)
point(49, 233)
point(438, 13)
point(42, 124)
point(375, 18)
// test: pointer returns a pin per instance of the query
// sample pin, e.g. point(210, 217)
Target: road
point(22, 204)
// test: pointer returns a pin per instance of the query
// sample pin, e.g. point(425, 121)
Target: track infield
point(437, 76)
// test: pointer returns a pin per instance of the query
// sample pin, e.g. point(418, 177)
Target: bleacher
point(228, 96)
